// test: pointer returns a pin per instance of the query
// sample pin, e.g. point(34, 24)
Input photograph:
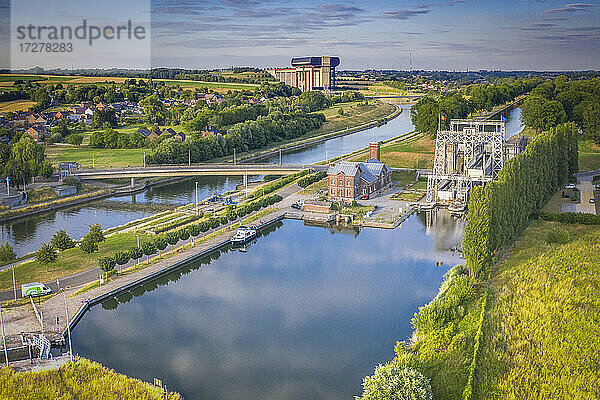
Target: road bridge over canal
point(193, 170)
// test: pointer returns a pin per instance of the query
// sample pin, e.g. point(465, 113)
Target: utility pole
point(3, 337)
point(68, 325)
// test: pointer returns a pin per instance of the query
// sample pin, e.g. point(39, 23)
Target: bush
point(46, 254)
point(62, 241)
point(213, 223)
point(7, 253)
point(75, 139)
point(558, 236)
point(393, 382)
point(204, 226)
point(309, 180)
point(223, 220)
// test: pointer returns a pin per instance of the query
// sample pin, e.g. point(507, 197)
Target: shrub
point(46, 254)
point(393, 382)
point(7, 253)
point(223, 220)
point(214, 223)
point(62, 241)
point(204, 226)
point(558, 236)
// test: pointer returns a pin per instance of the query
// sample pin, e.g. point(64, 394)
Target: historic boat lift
point(471, 153)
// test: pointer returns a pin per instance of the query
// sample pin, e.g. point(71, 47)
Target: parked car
point(592, 200)
point(570, 186)
point(598, 186)
point(297, 206)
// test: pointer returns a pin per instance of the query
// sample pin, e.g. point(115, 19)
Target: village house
point(351, 180)
point(37, 133)
point(209, 130)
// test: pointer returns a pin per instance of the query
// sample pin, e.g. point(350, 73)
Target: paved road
point(587, 192)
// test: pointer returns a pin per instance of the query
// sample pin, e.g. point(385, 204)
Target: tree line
point(556, 101)
point(460, 104)
point(500, 210)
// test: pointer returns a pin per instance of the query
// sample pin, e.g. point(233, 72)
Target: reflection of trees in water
point(347, 229)
point(446, 229)
point(175, 275)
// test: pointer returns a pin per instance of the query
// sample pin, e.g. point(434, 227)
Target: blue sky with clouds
point(449, 34)
point(445, 34)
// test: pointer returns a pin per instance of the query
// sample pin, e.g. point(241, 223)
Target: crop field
point(16, 105)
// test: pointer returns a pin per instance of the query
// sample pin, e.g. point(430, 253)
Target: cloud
point(405, 13)
point(454, 2)
point(570, 8)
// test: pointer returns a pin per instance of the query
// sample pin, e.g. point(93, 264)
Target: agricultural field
point(100, 158)
point(80, 379)
point(421, 150)
point(16, 105)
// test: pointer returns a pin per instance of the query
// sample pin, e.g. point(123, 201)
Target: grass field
point(79, 379)
point(12, 78)
point(589, 156)
point(354, 114)
point(70, 261)
point(16, 105)
point(102, 158)
point(406, 155)
point(542, 330)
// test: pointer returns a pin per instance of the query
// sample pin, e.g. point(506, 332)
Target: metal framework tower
point(471, 153)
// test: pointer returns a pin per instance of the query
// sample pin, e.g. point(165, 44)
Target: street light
point(68, 325)
point(3, 337)
point(196, 193)
point(14, 282)
point(138, 238)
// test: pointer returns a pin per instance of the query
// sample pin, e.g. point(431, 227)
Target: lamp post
point(196, 193)
point(138, 239)
point(14, 282)
point(3, 337)
point(68, 325)
point(7, 186)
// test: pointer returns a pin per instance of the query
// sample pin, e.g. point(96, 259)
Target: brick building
point(350, 180)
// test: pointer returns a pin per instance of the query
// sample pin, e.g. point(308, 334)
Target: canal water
point(27, 234)
point(306, 313)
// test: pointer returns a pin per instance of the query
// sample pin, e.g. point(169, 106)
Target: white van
point(35, 289)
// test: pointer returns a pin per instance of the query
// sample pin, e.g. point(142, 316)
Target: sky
point(379, 34)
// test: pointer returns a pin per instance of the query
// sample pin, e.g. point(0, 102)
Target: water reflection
point(305, 313)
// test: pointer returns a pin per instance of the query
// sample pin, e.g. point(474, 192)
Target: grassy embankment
point(589, 155)
point(420, 149)
point(80, 379)
point(540, 329)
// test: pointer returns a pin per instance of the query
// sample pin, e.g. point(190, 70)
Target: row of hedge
point(500, 210)
point(310, 179)
point(107, 264)
point(571, 218)
point(278, 184)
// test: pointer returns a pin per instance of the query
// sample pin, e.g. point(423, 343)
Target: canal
point(306, 313)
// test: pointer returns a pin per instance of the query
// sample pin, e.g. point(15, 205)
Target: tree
point(106, 264)
point(135, 253)
point(62, 241)
point(7, 253)
point(194, 230)
point(96, 233)
point(184, 235)
point(121, 258)
point(154, 110)
point(160, 243)
point(172, 239)
point(46, 254)
point(341, 111)
point(148, 249)
point(393, 382)
point(88, 245)
point(75, 139)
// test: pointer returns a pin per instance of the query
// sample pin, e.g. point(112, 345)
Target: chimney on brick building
point(374, 150)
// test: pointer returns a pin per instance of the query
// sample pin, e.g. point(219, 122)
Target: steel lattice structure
point(480, 142)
